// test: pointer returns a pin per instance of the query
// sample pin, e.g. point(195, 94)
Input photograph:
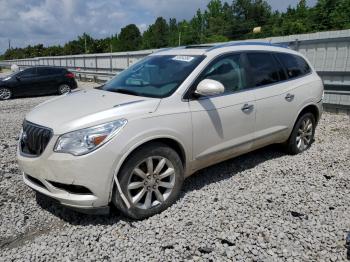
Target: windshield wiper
point(126, 91)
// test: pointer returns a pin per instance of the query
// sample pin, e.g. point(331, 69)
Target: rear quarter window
point(295, 65)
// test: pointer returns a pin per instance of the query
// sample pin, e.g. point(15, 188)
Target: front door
point(223, 125)
point(27, 82)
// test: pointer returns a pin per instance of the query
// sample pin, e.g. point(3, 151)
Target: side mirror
point(209, 87)
point(18, 78)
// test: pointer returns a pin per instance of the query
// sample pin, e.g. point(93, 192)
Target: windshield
point(155, 76)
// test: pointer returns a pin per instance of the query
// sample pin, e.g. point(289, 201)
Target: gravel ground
point(263, 206)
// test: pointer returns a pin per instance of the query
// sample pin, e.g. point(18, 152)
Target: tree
point(173, 32)
point(157, 34)
point(214, 18)
point(330, 15)
point(129, 38)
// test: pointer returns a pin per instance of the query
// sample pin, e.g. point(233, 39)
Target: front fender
point(162, 127)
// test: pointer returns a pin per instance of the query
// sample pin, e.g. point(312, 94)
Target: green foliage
point(129, 38)
point(216, 39)
point(221, 21)
point(157, 35)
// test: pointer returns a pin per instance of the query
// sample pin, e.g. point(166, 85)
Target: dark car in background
point(35, 81)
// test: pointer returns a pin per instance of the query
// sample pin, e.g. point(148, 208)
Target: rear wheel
point(63, 89)
point(151, 180)
point(5, 93)
point(302, 135)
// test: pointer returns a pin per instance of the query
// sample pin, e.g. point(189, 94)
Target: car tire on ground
point(63, 89)
point(302, 135)
point(5, 93)
point(150, 179)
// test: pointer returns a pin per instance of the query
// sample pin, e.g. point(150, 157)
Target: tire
point(5, 93)
point(155, 197)
point(302, 135)
point(63, 89)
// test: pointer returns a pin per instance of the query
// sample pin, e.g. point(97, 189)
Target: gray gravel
point(264, 206)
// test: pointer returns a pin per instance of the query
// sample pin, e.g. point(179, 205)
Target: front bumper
point(93, 172)
point(81, 203)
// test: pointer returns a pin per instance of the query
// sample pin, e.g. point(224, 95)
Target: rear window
point(265, 69)
point(295, 65)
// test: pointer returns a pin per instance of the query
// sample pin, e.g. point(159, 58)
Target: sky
point(29, 22)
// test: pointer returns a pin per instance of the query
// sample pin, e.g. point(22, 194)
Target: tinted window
point(228, 71)
point(155, 76)
point(295, 65)
point(58, 70)
point(28, 72)
point(49, 71)
point(44, 71)
point(265, 69)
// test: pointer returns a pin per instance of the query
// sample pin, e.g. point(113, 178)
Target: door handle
point(247, 108)
point(289, 97)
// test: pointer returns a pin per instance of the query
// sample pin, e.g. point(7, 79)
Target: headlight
point(84, 141)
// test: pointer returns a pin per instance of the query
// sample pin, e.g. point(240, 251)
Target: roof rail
point(205, 46)
point(249, 43)
point(167, 49)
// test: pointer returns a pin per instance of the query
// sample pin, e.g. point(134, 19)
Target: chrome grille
point(34, 138)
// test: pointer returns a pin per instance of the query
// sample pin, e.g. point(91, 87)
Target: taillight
point(69, 75)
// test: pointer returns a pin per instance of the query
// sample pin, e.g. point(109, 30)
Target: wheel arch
point(310, 108)
point(170, 141)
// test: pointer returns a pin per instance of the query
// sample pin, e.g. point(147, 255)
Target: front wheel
point(151, 180)
point(63, 89)
point(5, 93)
point(302, 135)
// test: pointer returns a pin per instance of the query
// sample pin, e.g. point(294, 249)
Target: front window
point(229, 71)
point(155, 76)
point(27, 72)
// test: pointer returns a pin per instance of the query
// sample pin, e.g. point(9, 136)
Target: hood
point(83, 109)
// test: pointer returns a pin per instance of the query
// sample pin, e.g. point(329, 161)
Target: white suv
point(133, 141)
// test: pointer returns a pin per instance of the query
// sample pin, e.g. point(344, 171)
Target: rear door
point(223, 125)
point(48, 79)
point(275, 98)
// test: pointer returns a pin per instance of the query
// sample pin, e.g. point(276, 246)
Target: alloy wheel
point(5, 94)
point(151, 182)
point(63, 89)
point(304, 136)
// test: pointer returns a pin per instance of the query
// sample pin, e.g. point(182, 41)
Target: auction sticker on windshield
point(183, 58)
